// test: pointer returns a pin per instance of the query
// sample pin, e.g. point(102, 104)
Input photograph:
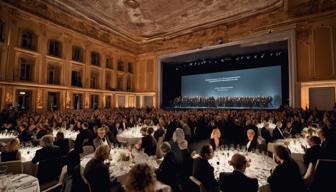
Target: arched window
point(130, 67)
point(129, 84)
point(95, 58)
point(26, 69)
point(28, 40)
point(109, 62)
point(120, 65)
point(55, 48)
point(77, 53)
point(120, 83)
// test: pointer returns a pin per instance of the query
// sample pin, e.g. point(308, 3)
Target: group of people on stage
point(224, 101)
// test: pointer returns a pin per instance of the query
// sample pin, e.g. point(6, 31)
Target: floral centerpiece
point(123, 157)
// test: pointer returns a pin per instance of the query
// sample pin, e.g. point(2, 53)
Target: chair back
point(49, 170)
point(87, 149)
point(324, 176)
point(198, 183)
point(14, 167)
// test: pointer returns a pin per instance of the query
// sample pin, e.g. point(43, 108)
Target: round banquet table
point(27, 154)
point(7, 137)
point(260, 166)
point(69, 134)
point(131, 135)
point(20, 183)
point(120, 169)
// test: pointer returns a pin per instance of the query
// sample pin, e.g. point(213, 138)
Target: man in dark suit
point(265, 133)
point(159, 132)
point(252, 142)
point(96, 172)
point(237, 180)
point(101, 138)
point(148, 142)
point(48, 151)
point(168, 168)
point(203, 171)
point(278, 131)
point(313, 153)
point(85, 137)
point(286, 176)
point(328, 143)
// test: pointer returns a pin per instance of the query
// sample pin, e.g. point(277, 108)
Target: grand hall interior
point(167, 95)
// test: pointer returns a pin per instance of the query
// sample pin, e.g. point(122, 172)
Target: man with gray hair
point(48, 151)
point(252, 142)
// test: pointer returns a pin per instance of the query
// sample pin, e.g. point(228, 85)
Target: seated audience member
point(265, 133)
point(148, 142)
point(237, 180)
point(24, 134)
point(96, 172)
point(185, 169)
point(278, 131)
point(159, 132)
point(141, 178)
point(178, 136)
point(167, 172)
point(312, 154)
point(62, 143)
point(85, 137)
point(203, 171)
point(328, 144)
point(286, 176)
point(48, 151)
point(215, 140)
point(252, 142)
point(11, 152)
point(101, 138)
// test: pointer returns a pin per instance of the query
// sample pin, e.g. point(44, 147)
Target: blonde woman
point(11, 152)
point(215, 140)
point(141, 178)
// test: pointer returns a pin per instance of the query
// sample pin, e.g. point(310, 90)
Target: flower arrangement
point(123, 157)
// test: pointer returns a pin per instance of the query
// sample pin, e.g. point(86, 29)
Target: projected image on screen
point(257, 82)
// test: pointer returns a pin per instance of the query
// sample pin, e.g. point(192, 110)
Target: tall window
point(2, 31)
point(94, 101)
point(26, 70)
point(109, 63)
point(55, 48)
point(76, 79)
point(130, 67)
point(77, 54)
point(94, 80)
point(129, 84)
point(108, 78)
point(28, 39)
point(120, 84)
point(53, 74)
point(95, 58)
point(120, 65)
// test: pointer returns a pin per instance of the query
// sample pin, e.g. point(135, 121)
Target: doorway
point(53, 101)
point(77, 101)
point(24, 100)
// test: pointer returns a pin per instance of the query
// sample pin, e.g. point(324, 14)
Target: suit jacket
point(98, 141)
point(63, 144)
point(148, 143)
point(277, 134)
point(47, 153)
point(167, 171)
point(159, 133)
point(266, 135)
point(97, 174)
point(204, 172)
point(286, 177)
point(328, 149)
point(253, 145)
point(85, 137)
point(237, 181)
point(312, 155)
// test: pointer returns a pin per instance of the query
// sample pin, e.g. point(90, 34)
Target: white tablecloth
point(131, 135)
point(68, 134)
point(27, 154)
point(20, 183)
point(120, 169)
point(7, 137)
point(260, 166)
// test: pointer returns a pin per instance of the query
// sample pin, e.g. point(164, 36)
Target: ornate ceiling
point(144, 20)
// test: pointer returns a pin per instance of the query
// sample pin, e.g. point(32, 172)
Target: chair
point(324, 176)
point(14, 167)
point(198, 183)
point(87, 149)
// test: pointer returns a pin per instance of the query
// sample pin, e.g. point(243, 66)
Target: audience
point(11, 152)
point(286, 176)
point(237, 180)
point(148, 142)
point(96, 172)
point(203, 171)
point(313, 153)
point(278, 131)
point(62, 143)
point(85, 137)
point(252, 142)
point(141, 178)
point(185, 169)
